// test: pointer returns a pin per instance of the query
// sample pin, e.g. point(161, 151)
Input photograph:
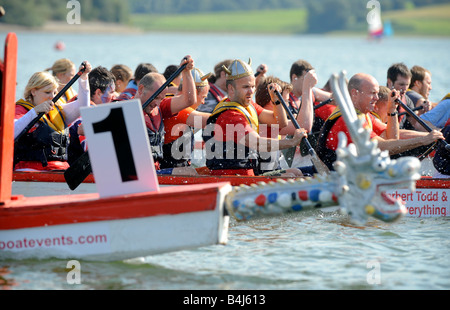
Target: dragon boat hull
point(84, 226)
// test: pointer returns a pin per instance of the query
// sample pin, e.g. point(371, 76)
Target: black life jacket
point(326, 155)
point(441, 160)
point(156, 140)
point(43, 144)
point(183, 158)
point(74, 149)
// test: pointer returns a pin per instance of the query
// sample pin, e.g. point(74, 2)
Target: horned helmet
point(238, 69)
point(200, 78)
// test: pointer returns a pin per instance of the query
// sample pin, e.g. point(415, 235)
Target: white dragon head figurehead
point(365, 172)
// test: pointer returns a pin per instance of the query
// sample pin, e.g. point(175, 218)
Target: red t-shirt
point(177, 124)
point(325, 111)
point(375, 124)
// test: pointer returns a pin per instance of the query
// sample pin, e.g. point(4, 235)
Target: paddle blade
point(78, 171)
point(319, 165)
point(289, 155)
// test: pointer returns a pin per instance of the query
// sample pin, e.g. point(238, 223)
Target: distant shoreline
point(84, 27)
point(116, 28)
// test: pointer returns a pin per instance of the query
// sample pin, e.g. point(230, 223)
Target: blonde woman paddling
point(43, 147)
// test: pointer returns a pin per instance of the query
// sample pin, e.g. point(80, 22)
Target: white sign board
point(119, 149)
point(425, 202)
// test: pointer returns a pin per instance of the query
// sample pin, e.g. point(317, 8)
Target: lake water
point(314, 250)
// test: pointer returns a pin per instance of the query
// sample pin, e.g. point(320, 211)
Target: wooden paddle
point(81, 168)
point(289, 154)
point(320, 166)
point(55, 99)
point(421, 122)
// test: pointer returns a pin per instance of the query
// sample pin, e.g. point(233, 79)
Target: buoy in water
point(60, 46)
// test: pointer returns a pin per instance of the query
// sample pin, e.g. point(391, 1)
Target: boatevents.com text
point(51, 242)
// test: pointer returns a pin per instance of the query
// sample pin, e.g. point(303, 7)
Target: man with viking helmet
point(217, 84)
point(232, 134)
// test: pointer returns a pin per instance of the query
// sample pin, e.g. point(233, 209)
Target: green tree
point(328, 15)
point(34, 13)
point(188, 6)
point(25, 12)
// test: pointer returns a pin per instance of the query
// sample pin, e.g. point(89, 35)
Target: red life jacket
point(216, 92)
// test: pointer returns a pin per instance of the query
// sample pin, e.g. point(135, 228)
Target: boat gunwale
point(235, 180)
point(24, 212)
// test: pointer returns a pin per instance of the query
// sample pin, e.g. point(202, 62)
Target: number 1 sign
point(119, 149)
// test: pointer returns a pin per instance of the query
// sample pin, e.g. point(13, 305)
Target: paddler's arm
point(261, 144)
point(261, 73)
point(188, 95)
point(407, 139)
point(72, 109)
point(427, 106)
point(23, 118)
point(197, 119)
point(21, 123)
point(322, 95)
point(278, 115)
point(398, 146)
point(305, 117)
point(392, 128)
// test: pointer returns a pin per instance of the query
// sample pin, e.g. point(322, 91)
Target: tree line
point(323, 15)
point(189, 6)
point(34, 13)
